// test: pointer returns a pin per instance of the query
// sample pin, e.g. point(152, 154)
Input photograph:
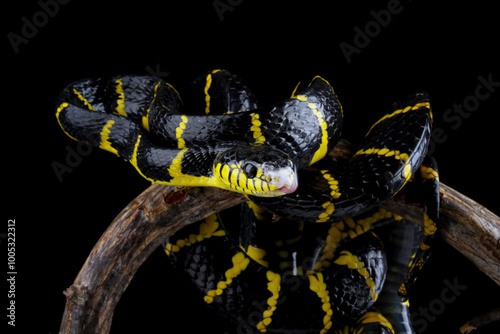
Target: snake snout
point(284, 179)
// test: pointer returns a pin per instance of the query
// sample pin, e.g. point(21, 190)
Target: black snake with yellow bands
point(265, 153)
point(139, 119)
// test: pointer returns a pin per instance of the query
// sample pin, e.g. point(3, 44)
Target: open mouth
point(284, 179)
point(288, 188)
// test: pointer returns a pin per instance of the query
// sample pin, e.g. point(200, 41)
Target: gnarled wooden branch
point(480, 320)
point(135, 233)
point(466, 225)
point(160, 211)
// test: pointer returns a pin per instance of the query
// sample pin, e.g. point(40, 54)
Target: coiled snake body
point(286, 275)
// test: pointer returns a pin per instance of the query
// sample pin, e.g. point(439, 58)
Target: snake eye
point(250, 170)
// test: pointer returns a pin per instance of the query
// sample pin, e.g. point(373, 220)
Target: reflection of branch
point(160, 211)
point(466, 225)
point(484, 319)
point(135, 233)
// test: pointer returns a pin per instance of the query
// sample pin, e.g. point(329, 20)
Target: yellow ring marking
point(403, 291)
point(257, 254)
point(352, 262)
point(63, 106)
point(402, 111)
point(178, 178)
point(316, 284)
point(256, 130)
point(385, 152)
point(363, 225)
point(145, 118)
point(105, 144)
point(347, 228)
point(375, 317)
point(333, 91)
point(133, 160)
point(429, 226)
point(240, 263)
point(323, 147)
point(341, 109)
point(407, 172)
point(428, 173)
point(295, 90)
point(175, 90)
point(181, 179)
point(419, 264)
point(207, 87)
point(175, 168)
point(388, 153)
point(259, 213)
point(207, 96)
point(85, 101)
point(328, 206)
point(274, 286)
point(120, 107)
point(335, 235)
point(181, 143)
point(424, 246)
point(207, 229)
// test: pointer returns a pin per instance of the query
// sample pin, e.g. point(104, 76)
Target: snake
point(312, 250)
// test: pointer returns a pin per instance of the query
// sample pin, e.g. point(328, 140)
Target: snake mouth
point(286, 181)
point(288, 188)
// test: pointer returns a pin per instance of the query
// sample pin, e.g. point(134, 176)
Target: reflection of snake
point(275, 267)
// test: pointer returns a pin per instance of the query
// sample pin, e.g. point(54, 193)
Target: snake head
point(256, 170)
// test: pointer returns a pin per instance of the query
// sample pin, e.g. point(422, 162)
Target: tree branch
point(480, 320)
point(135, 233)
point(160, 211)
point(471, 229)
point(467, 226)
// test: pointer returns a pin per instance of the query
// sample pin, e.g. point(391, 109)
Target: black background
point(441, 49)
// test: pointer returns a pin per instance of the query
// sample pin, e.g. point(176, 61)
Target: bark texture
point(161, 210)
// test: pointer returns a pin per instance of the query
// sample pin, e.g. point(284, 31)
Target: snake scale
point(311, 251)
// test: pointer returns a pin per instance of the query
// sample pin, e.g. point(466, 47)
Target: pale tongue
point(286, 180)
point(288, 189)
